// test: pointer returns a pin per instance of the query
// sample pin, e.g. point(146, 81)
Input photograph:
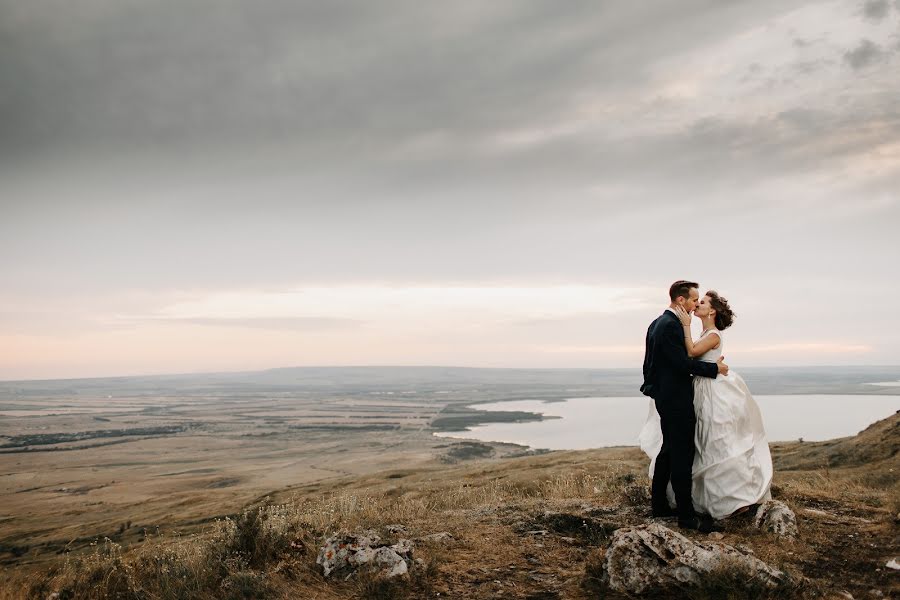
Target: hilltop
point(877, 444)
point(528, 527)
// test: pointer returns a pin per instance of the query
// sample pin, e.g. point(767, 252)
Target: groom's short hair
point(682, 288)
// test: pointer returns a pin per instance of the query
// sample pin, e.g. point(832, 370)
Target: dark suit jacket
point(668, 369)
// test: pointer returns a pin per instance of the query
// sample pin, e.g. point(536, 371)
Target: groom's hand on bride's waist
point(723, 368)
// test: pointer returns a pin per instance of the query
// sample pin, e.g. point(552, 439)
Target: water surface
point(596, 422)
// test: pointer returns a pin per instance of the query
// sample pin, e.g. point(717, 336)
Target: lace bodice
point(713, 354)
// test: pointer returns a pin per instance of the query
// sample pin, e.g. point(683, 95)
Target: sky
point(199, 185)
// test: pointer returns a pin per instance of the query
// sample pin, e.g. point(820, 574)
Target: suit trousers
point(674, 462)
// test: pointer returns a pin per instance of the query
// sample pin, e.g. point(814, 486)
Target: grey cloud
point(803, 118)
point(876, 9)
point(337, 74)
point(864, 55)
point(529, 215)
point(727, 151)
point(341, 77)
point(807, 67)
point(338, 94)
point(199, 143)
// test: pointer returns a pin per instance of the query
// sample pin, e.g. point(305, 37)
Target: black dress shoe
point(703, 525)
point(708, 525)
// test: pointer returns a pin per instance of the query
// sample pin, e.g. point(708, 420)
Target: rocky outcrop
point(346, 553)
point(654, 558)
point(775, 517)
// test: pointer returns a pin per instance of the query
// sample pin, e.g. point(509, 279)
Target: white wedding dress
point(732, 464)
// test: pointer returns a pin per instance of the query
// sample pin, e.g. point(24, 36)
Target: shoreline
point(781, 423)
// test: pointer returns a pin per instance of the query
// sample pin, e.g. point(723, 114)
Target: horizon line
point(382, 366)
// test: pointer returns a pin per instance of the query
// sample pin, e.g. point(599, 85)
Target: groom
point(668, 380)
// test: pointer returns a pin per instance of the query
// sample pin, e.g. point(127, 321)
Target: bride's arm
point(701, 347)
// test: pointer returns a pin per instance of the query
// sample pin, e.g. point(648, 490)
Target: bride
point(732, 467)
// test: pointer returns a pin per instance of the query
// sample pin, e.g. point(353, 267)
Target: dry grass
point(730, 582)
point(517, 525)
point(269, 549)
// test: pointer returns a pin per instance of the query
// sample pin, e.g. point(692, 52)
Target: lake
point(580, 423)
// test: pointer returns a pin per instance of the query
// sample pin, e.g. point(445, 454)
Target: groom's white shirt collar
point(672, 310)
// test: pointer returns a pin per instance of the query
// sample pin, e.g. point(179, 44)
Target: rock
point(396, 528)
point(403, 547)
point(716, 535)
point(384, 559)
point(437, 537)
point(893, 564)
point(831, 518)
point(348, 553)
point(775, 517)
point(653, 557)
point(338, 549)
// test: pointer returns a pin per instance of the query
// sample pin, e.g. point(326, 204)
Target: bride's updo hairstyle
point(724, 314)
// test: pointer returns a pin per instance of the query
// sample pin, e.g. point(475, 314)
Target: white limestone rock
point(775, 517)
point(654, 558)
point(349, 553)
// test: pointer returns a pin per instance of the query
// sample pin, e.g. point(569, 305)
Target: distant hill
point(880, 442)
point(569, 382)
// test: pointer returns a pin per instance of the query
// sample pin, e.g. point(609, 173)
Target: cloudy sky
point(200, 185)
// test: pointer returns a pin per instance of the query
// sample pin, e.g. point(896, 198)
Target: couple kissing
point(704, 432)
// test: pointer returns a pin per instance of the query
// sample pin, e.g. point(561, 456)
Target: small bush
point(262, 534)
point(245, 585)
point(376, 587)
point(635, 494)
